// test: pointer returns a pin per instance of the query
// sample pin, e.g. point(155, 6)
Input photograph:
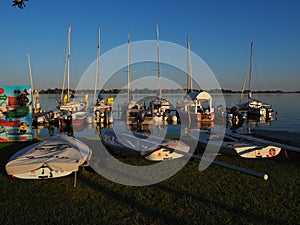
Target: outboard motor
point(140, 116)
point(234, 111)
point(237, 117)
point(97, 116)
point(69, 120)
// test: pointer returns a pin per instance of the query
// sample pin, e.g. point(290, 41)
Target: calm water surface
point(285, 105)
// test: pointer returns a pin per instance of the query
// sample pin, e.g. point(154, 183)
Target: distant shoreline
point(140, 91)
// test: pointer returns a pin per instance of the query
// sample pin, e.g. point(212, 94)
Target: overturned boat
point(56, 156)
point(141, 144)
point(234, 145)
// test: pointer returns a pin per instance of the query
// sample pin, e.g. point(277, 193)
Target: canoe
point(56, 156)
point(138, 144)
point(234, 145)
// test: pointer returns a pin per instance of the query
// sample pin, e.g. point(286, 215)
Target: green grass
point(214, 196)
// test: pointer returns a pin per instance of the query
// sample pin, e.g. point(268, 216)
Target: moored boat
point(197, 106)
point(79, 117)
point(254, 107)
point(75, 118)
point(68, 101)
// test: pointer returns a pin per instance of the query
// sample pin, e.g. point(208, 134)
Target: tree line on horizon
point(146, 90)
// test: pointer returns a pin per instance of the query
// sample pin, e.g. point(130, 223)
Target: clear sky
point(220, 31)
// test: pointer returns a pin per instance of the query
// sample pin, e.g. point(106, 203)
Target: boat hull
point(233, 146)
point(42, 173)
point(56, 156)
point(166, 154)
point(142, 146)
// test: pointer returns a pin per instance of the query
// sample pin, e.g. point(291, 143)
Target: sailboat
point(67, 102)
point(255, 107)
point(130, 104)
point(159, 106)
point(100, 109)
point(197, 105)
point(130, 108)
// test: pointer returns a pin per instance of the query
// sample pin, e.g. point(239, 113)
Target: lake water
point(285, 105)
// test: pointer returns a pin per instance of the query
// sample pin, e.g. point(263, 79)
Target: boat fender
point(212, 116)
point(97, 114)
point(102, 114)
point(199, 116)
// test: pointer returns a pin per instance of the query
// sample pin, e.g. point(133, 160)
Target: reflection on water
point(285, 117)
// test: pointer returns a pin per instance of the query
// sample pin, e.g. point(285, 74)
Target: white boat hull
point(42, 173)
point(144, 146)
point(167, 154)
point(235, 146)
point(56, 156)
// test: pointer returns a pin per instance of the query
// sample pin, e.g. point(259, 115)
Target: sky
point(220, 32)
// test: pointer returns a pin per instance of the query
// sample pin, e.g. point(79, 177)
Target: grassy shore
point(214, 196)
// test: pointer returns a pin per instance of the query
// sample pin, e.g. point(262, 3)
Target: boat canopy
point(202, 96)
point(200, 101)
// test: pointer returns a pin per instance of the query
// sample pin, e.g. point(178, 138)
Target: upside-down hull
point(143, 145)
point(57, 156)
point(234, 146)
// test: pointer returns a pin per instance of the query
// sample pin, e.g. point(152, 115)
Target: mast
point(158, 61)
point(250, 70)
point(68, 61)
point(128, 71)
point(97, 66)
point(31, 82)
point(65, 74)
point(243, 87)
point(64, 79)
point(189, 66)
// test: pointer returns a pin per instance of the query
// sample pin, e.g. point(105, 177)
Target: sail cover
point(59, 152)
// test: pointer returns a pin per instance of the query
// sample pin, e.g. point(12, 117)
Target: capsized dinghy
point(235, 145)
point(57, 156)
point(138, 144)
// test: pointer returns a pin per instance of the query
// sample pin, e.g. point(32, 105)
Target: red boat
point(75, 118)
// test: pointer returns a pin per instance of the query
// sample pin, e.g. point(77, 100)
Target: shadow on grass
point(141, 207)
point(238, 213)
